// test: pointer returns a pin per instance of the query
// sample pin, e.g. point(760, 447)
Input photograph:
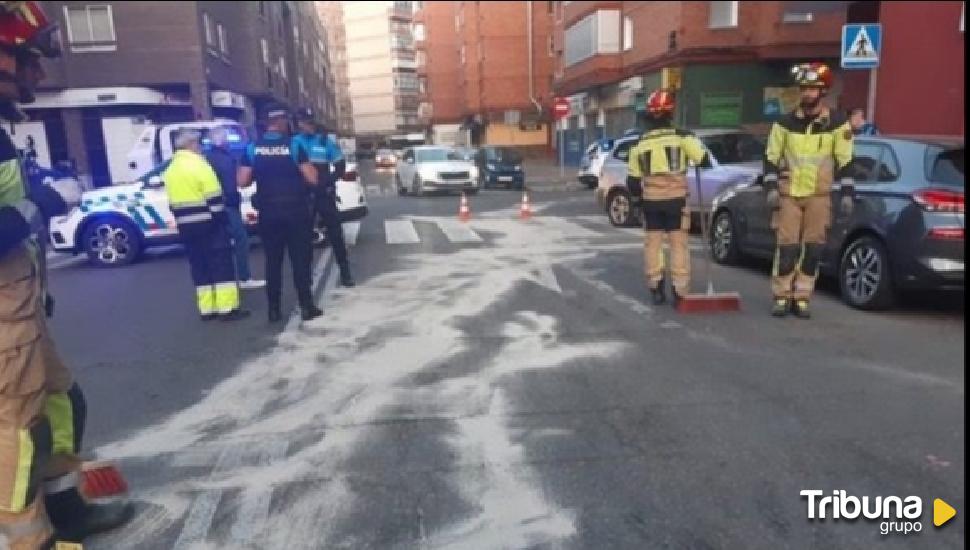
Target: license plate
point(505, 178)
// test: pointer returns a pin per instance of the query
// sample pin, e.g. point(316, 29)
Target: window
point(552, 46)
point(223, 40)
point(457, 23)
point(597, 33)
point(874, 163)
point(92, 23)
point(262, 9)
point(419, 31)
point(794, 17)
point(461, 55)
point(282, 67)
point(946, 166)
point(265, 48)
point(627, 33)
point(302, 84)
point(209, 36)
point(421, 58)
point(963, 13)
point(724, 15)
point(422, 84)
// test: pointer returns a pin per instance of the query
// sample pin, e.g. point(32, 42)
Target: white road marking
point(199, 521)
point(546, 277)
point(59, 261)
point(254, 508)
point(567, 229)
point(351, 232)
point(458, 232)
point(400, 232)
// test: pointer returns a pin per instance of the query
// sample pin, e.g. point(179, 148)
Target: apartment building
point(488, 67)
point(332, 17)
point(730, 61)
point(381, 68)
point(127, 64)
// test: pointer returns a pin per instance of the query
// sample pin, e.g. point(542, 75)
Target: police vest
point(279, 182)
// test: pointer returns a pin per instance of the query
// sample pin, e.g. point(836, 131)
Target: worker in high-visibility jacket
point(657, 171)
point(195, 197)
point(806, 152)
point(42, 408)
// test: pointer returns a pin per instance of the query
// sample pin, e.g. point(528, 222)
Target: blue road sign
point(861, 46)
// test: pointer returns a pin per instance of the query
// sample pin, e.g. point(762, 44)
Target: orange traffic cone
point(525, 211)
point(464, 211)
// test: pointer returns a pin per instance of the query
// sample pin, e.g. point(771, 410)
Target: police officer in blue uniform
point(328, 159)
point(283, 199)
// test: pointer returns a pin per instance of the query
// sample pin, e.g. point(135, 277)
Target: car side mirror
point(155, 182)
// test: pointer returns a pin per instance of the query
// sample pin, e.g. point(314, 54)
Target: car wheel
point(400, 186)
point(416, 187)
point(864, 275)
point(725, 239)
point(111, 242)
point(592, 183)
point(620, 209)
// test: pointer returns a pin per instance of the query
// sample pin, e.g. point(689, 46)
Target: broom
point(710, 301)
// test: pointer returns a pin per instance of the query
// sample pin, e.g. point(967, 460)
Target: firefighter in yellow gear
point(657, 174)
point(42, 409)
point(807, 151)
point(195, 197)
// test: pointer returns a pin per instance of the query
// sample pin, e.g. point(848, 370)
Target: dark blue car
point(500, 167)
point(907, 231)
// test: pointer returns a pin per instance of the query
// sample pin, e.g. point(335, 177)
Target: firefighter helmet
point(660, 102)
point(25, 27)
point(813, 75)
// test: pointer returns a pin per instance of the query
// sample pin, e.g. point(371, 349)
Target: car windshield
point(507, 156)
point(384, 152)
point(945, 166)
point(735, 147)
point(436, 155)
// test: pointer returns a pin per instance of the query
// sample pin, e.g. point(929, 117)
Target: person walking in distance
point(196, 201)
point(42, 408)
point(225, 165)
point(328, 159)
point(807, 151)
point(657, 172)
point(285, 177)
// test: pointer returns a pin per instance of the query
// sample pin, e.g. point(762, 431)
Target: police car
point(114, 225)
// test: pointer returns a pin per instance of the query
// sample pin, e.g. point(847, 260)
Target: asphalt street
point(506, 384)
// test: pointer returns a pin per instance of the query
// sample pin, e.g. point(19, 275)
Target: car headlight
point(518, 168)
point(490, 167)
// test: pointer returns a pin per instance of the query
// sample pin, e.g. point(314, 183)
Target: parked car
point(433, 168)
point(592, 164)
point(385, 158)
point(351, 199)
point(907, 229)
point(500, 166)
point(735, 157)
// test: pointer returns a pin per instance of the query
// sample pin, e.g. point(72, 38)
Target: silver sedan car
point(735, 157)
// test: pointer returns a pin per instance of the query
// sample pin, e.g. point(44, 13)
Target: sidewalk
point(544, 174)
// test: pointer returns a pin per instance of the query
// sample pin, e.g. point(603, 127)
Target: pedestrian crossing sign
point(861, 45)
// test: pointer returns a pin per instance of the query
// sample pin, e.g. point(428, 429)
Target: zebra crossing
point(406, 231)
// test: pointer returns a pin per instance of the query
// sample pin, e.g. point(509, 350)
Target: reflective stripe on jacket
point(194, 192)
point(813, 151)
point(660, 160)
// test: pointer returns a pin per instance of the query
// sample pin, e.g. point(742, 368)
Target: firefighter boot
point(802, 310)
point(346, 279)
point(659, 293)
point(310, 312)
point(780, 308)
point(74, 518)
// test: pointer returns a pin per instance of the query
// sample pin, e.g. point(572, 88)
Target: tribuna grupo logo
point(897, 515)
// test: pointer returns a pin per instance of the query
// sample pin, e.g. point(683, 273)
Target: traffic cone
point(101, 479)
point(464, 211)
point(525, 211)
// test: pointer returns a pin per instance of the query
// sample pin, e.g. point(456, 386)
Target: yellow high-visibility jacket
point(813, 151)
point(659, 161)
point(194, 193)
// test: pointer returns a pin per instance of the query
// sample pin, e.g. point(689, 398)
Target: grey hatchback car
point(907, 231)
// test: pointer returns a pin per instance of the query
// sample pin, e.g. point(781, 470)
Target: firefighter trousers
point(670, 218)
point(800, 225)
point(211, 263)
point(42, 414)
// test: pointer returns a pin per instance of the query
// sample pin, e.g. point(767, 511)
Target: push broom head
point(712, 302)
point(101, 480)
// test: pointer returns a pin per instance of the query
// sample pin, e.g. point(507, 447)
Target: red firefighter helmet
point(660, 102)
point(25, 27)
point(813, 75)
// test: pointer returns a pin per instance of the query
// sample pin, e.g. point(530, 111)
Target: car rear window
point(945, 166)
